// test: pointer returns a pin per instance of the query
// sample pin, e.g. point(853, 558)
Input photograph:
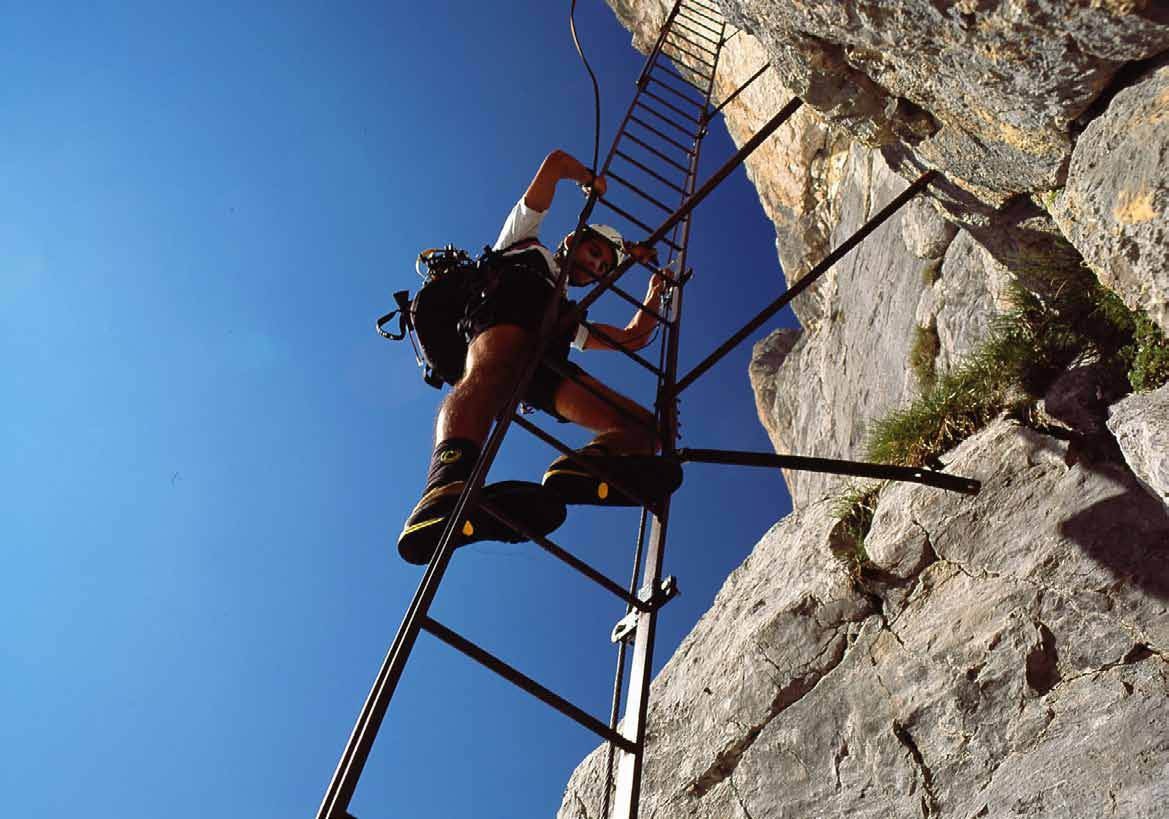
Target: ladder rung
point(618, 346)
point(671, 73)
point(564, 372)
point(672, 107)
point(670, 140)
point(698, 22)
point(640, 192)
point(566, 557)
point(695, 32)
point(677, 59)
point(677, 93)
point(701, 12)
point(681, 40)
point(521, 680)
point(673, 45)
point(564, 449)
point(634, 220)
point(714, 10)
point(685, 131)
point(655, 151)
point(649, 171)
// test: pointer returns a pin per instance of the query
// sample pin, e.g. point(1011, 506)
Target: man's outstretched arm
point(639, 331)
point(558, 165)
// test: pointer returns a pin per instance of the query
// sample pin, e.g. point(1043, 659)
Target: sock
point(453, 460)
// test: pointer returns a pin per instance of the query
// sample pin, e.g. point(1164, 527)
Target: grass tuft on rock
point(931, 271)
point(853, 509)
point(923, 354)
point(1028, 347)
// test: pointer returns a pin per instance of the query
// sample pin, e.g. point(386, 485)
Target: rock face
point(1115, 208)
point(1141, 426)
point(1005, 655)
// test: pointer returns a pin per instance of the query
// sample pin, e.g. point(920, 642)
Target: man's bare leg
point(618, 430)
point(494, 361)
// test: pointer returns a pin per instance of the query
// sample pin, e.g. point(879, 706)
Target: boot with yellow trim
point(650, 478)
point(536, 509)
point(529, 505)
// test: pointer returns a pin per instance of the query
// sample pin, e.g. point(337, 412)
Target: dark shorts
point(518, 297)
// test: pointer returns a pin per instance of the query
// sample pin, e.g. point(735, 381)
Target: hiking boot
point(650, 478)
point(529, 505)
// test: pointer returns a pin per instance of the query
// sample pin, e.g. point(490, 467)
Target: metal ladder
point(654, 156)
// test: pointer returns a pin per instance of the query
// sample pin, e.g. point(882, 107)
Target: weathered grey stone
point(1025, 672)
point(779, 624)
point(1115, 208)
point(985, 91)
point(972, 290)
point(853, 364)
point(1141, 426)
point(925, 232)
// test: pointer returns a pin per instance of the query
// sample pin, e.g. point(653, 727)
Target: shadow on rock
point(1127, 533)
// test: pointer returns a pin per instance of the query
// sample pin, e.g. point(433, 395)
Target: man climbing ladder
point(501, 325)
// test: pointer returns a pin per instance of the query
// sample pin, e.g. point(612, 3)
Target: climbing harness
point(654, 156)
point(436, 318)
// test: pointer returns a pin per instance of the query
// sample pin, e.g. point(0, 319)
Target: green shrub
point(1149, 368)
point(1030, 345)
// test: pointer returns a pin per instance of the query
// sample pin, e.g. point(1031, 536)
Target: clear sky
point(208, 452)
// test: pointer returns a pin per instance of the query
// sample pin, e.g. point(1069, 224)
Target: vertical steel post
point(633, 727)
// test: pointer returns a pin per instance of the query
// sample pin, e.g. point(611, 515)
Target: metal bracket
point(627, 626)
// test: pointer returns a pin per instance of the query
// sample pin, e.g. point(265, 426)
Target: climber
point(502, 327)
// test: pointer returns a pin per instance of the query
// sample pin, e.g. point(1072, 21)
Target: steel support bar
point(799, 287)
point(568, 558)
point(521, 680)
point(859, 469)
point(692, 201)
point(739, 90)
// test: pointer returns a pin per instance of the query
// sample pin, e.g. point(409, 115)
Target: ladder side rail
point(619, 672)
point(807, 280)
point(628, 790)
point(339, 793)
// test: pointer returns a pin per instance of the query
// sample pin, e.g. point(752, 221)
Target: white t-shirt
point(523, 223)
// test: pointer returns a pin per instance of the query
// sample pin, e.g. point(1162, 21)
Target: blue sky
point(208, 450)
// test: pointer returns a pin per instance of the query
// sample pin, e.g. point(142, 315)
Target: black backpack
point(435, 318)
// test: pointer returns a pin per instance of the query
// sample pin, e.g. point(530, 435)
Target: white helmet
point(611, 237)
point(605, 233)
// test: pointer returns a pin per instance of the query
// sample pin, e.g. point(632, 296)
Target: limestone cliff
point(997, 656)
